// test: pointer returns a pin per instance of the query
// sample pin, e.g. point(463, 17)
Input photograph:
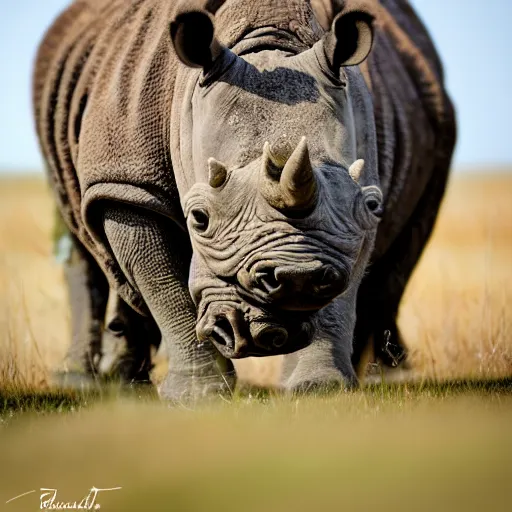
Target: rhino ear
point(193, 38)
point(350, 39)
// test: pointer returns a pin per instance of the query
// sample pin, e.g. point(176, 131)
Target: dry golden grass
point(456, 317)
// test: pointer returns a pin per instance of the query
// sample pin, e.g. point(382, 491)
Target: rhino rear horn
point(217, 173)
point(290, 186)
point(350, 39)
point(356, 169)
point(193, 33)
point(298, 179)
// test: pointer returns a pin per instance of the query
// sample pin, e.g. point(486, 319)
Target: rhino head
point(284, 204)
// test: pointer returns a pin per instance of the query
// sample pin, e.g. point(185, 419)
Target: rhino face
point(277, 245)
point(283, 217)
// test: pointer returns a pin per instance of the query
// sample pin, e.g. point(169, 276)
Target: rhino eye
point(374, 206)
point(200, 220)
point(369, 207)
point(373, 200)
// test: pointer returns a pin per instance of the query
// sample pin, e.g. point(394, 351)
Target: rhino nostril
point(271, 336)
point(223, 333)
point(328, 280)
point(280, 338)
point(267, 281)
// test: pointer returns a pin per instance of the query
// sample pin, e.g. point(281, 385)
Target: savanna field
point(439, 439)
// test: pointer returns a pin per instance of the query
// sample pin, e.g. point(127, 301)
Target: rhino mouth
point(239, 330)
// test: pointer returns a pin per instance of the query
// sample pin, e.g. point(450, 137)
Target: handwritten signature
point(49, 501)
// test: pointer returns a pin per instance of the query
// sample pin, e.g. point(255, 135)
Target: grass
point(368, 401)
point(388, 447)
point(440, 442)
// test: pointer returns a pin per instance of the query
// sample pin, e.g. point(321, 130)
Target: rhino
point(241, 178)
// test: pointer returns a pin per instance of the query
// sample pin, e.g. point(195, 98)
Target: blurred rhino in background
point(242, 178)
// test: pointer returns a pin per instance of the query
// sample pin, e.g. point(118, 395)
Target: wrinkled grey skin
point(240, 225)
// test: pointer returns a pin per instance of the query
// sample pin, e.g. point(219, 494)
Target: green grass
point(424, 446)
point(16, 403)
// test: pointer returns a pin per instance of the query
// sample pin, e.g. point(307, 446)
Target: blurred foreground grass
point(387, 447)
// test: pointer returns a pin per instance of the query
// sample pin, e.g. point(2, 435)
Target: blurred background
point(473, 37)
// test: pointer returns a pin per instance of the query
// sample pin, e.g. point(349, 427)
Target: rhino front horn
point(292, 186)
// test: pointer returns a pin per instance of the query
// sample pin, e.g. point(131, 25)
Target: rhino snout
point(297, 287)
point(224, 325)
point(228, 332)
point(237, 336)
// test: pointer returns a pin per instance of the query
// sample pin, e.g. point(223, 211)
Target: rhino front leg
point(326, 363)
point(154, 255)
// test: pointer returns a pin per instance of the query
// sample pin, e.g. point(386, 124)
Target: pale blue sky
point(474, 38)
